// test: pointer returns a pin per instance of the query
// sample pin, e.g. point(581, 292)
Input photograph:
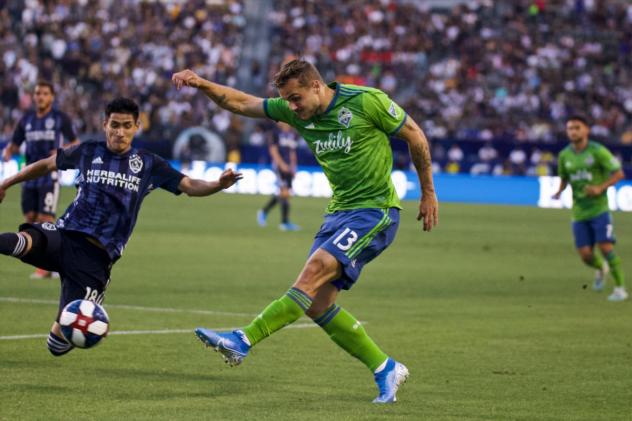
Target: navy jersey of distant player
point(286, 141)
point(111, 189)
point(43, 136)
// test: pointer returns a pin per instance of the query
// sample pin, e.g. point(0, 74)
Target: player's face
point(119, 132)
point(576, 131)
point(303, 100)
point(43, 98)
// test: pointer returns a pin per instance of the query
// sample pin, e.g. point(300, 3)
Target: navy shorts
point(595, 230)
point(284, 179)
point(84, 269)
point(41, 199)
point(355, 237)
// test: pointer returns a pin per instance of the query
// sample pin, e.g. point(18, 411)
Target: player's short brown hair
point(578, 117)
point(301, 70)
point(47, 84)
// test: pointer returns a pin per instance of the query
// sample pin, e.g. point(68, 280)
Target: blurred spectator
point(487, 153)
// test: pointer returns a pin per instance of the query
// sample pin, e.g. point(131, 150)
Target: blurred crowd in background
point(491, 82)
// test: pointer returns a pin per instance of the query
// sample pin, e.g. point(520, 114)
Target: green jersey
point(350, 140)
point(591, 166)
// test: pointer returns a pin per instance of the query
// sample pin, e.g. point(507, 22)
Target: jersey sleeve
point(19, 134)
point(67, 129)
point(384, 112)
point(607, 160)
point(165, 176)
point(561, 168)
point(69, 158)
point(277, 109)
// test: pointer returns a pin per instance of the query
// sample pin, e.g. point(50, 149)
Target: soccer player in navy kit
point(282, 147)
point(114, 178)
point(44, 130)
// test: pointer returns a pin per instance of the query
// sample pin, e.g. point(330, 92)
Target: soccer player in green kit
point(590, 169)
point(347, 128)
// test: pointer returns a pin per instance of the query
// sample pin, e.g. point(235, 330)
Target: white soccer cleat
point(601, 275)
point(389, 380)
point(618, 294)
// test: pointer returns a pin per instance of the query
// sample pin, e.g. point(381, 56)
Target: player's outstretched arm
point(9, 150)
point(30, 172)
point(230, 99)
point(558, 193)
point(420, 153)
point(199, 188)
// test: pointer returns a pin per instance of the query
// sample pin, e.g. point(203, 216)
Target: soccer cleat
point(231, 345)
point(288, 226)
point(388, 381)
point(600, 277)
point(262, 218)
point(618, 294)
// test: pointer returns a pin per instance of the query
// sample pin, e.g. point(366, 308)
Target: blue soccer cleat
point(288, 226)
point(388, 381)
point(262, 218)
point(232, 345)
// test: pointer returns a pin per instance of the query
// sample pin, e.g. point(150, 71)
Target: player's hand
point(557, 196)
point(2, 193)
point(6, 154)
point(593, 191)
point(229, 177)
point(429, 211)
point(285, 169)
point(186, 78)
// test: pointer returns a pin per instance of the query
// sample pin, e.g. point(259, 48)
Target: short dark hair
point(299, 69)
point(123, 106)
point(47, 84)
point(578, 117)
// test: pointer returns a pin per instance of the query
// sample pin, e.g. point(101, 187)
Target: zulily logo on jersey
point(581, 175)
point(335, 142)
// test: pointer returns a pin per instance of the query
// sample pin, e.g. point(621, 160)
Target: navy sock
point(12, 244)
point(58, 346)
point(273, 201)
point(285, 210)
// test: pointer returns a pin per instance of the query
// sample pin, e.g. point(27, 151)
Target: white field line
point(151, 332)
point(129, 307)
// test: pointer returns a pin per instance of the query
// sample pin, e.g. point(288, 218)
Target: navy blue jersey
point(111, 189)
point(43, 136)
point(286, 142)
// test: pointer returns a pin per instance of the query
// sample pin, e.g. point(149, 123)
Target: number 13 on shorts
point(346, 239)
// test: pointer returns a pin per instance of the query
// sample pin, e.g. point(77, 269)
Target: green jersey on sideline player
point(590, 168)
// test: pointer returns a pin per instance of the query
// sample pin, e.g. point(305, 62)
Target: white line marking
point(130, 307)
point(152, 332)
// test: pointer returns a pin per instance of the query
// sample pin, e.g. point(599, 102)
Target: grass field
point(492, 313)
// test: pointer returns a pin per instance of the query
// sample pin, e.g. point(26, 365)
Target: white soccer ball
point(84, 323)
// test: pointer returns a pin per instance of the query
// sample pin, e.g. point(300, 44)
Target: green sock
point(597, 262)
point(616, 271)
point(277, 314)
point(350, 335)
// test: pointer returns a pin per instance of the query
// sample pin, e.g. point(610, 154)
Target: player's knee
point(57, 346)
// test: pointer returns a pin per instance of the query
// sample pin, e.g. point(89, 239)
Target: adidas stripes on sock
point(13, 244)
point(58, 346)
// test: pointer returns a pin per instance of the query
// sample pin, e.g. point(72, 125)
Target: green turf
point(492, 313)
